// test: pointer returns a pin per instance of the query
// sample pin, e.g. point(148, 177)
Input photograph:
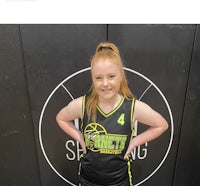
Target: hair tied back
point(104, 48)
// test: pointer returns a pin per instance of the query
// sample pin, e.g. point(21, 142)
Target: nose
point(105, 82)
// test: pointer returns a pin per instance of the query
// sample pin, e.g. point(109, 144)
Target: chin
point(107, 96)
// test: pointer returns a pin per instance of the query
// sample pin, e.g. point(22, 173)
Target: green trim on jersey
point(131, 119)
point(110, 113)
point(83, 109)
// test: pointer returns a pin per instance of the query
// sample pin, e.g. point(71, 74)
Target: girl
point(108, 114)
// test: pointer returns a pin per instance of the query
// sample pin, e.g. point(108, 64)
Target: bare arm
point(146, 115)
point(65, 117)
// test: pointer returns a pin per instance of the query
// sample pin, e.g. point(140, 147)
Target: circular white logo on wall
point(63, 153)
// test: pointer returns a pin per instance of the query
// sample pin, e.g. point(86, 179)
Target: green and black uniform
point(106, 142)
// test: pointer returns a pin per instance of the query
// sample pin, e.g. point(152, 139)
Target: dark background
point(34, 59)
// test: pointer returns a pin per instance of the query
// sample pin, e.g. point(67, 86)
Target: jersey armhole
point(132, 109)
point(83, 110)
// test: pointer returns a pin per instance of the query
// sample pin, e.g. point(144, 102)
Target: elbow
point(58, 119)
point(162, 128)
point(165, 126)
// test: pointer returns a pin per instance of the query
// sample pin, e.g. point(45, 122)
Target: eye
point(98, 78)
point(111, 76)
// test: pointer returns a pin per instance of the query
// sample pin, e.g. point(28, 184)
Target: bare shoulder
point(141, 106)
point(140, 109)
point(76, 102)
point(147, 115)
point(76, 105)
point(73, 110)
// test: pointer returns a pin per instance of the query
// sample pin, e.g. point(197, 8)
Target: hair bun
point(101, 48)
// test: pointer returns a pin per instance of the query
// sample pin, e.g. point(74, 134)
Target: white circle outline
point(86, 69)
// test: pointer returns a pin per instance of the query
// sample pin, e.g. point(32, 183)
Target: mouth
point(106, 90)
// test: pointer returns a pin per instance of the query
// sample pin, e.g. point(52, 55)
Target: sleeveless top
point(106, 142)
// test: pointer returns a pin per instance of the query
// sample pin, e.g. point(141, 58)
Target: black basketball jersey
point(106, 142)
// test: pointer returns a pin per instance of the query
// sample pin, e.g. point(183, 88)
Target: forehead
point(105, 66)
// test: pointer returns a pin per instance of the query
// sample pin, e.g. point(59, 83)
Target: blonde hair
point(104, 51)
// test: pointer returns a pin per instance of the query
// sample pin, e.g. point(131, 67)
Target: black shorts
point(83, 182)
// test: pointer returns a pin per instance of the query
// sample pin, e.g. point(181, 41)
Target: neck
point(109, 105)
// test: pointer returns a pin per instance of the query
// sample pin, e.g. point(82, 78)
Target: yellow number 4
point(121, 119)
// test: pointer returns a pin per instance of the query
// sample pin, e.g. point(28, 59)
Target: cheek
point(96, 85)
point(118, 82)
point(118, 86)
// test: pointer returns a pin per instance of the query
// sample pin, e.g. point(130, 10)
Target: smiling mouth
point(106, 90)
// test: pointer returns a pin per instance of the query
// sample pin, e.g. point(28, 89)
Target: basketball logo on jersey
point(98, 140)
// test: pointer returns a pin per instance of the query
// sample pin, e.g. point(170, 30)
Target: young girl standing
point(108, 113)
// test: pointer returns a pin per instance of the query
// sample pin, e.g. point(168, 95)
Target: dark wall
point(18, 155)
point(188, 162)
point(43, 67)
